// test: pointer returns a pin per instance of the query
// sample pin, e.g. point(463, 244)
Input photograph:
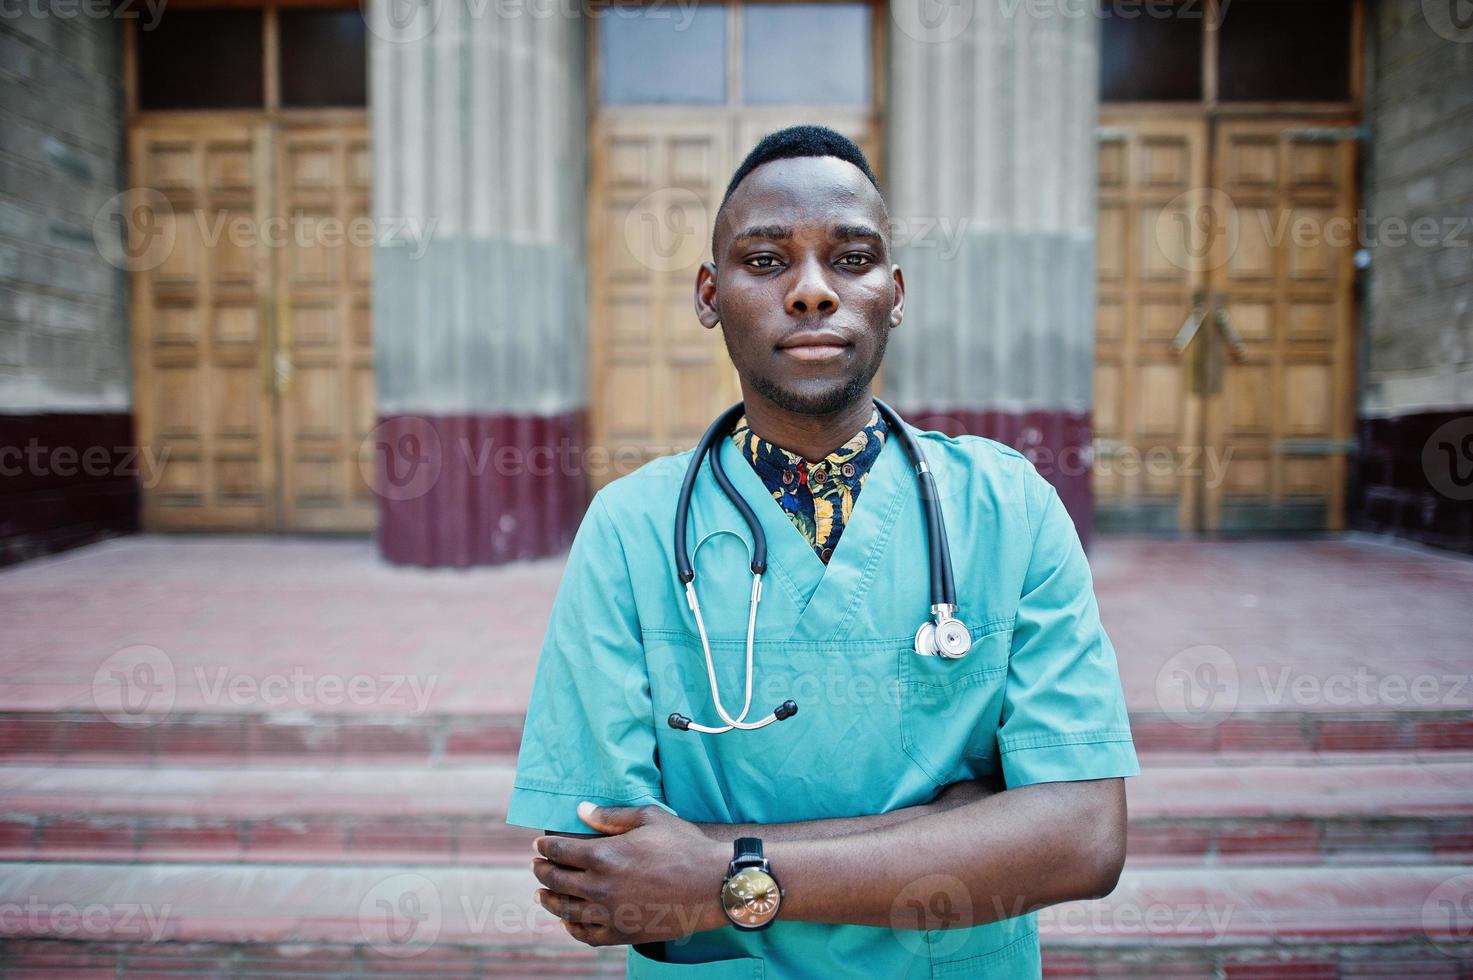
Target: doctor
point(873, 805)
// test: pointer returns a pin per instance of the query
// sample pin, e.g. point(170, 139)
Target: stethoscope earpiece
point(942, 635)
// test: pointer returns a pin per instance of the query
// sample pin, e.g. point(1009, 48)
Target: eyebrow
point(784, 232)
point(775, 232)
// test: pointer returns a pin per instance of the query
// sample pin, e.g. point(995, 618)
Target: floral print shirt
point(817, 497)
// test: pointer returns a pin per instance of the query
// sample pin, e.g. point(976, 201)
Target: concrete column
point(1414, 464)
point(991, 185)
point(68, 474)
point(479, 165)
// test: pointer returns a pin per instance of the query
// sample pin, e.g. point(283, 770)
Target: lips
point(815, 346)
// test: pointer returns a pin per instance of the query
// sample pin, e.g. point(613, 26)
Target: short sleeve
point(589, 733)
point(1064, 716)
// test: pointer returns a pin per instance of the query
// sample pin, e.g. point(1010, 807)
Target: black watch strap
point(746, 852)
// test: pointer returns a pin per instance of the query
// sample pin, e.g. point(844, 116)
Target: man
point(886, 848)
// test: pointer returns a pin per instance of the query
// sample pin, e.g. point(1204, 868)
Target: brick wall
point(65, 421)
point(1414, 474)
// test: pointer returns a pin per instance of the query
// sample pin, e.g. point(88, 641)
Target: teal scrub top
point(1038, 698)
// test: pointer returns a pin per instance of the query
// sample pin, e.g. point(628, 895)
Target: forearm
point(985, 860)
point(948, 799)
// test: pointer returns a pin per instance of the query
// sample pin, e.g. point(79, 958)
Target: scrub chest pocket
point(950, 710)
point(880, 727)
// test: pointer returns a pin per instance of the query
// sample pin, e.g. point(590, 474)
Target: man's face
point(802, 284)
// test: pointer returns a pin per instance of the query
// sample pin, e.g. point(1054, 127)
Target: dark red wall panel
point(1413, 477)
point(66, 479)
point(461, 490)
point(1058, 442)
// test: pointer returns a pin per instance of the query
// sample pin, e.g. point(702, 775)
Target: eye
point(763, 262)
point(860, 260)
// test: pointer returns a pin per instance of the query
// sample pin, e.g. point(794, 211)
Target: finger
point(589, 935)
point(611, 819)
point(573, 909)
point(567, 851)
point(564, 881)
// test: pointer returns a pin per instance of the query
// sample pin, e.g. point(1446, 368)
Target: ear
point(897, 311)
point(706, 295)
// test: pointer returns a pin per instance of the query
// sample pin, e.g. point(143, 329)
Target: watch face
point(751, 897)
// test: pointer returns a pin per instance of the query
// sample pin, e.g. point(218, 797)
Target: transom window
point(737, 53)
point(1218, 51)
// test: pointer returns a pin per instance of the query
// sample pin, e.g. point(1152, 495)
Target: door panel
point(1224, 323)
point(252, 340)
point(1151, 269)
point(657, 178)
point(323, 366)
point(655, 371)
point(201, 325)
point(1278, 408)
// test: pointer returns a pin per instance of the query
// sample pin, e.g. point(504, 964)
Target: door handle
point(283, 370)
point(1229, 332)
point(1191, 325)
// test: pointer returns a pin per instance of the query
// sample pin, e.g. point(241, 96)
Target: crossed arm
point(992, 855)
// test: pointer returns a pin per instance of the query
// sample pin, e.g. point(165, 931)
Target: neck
point(811, 436)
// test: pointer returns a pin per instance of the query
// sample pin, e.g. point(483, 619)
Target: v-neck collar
point(825, 594)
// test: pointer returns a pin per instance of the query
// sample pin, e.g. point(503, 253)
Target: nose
point(810, 292)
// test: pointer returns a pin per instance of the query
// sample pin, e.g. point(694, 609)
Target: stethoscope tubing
point(943, 586)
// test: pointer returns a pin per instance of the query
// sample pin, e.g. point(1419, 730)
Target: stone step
point(483, 921)
point(1397, 809)
point(206, 738)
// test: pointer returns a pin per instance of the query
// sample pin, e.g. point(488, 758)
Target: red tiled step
point(361, 815)
point(1395, 810)
point(450, 739)
point(86, 960)
point(397, 910)
point(1279, 907)
point(1306, 731)
point(242, 737)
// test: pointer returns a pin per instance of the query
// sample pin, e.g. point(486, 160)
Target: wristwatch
point(750, 895)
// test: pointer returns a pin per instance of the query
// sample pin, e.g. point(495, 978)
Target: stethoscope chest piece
point(944, 636)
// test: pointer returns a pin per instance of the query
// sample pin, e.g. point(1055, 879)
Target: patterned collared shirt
point(817, 497)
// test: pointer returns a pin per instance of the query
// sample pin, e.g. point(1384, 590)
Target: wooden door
point(657, 375)
point(201, 324)
point(654, 370)
point(323, 361)
point(1279, 384)
point(667, 133)
point(1224, 346)
point(1153, 254)
point(253, 357)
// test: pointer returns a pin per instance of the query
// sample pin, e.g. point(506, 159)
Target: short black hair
point(795, 141)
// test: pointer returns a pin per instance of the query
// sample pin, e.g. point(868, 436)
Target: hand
point(655, 877)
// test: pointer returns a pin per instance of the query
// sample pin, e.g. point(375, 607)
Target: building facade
point(426, 270)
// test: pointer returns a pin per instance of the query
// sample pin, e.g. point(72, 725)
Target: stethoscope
point(943, 635)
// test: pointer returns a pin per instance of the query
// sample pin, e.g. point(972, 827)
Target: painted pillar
point(479, 300)
point(991, 186)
